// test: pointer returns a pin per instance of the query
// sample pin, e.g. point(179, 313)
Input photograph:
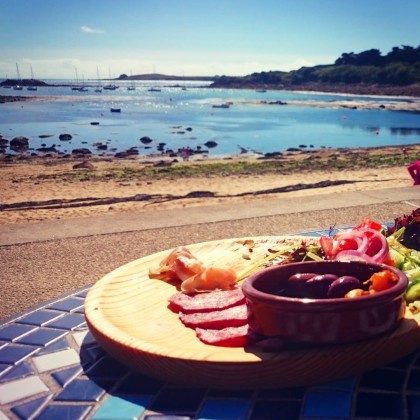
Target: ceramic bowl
point(337, 320)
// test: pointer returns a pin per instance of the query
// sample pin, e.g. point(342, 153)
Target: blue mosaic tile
point(68, 305)
point(90, 354)
point(173, 400)
point(106, 368)
point(224, 409)
point(40, 317)
point(413, 380)
point(67, 322)
point(81, 390)
point(275, 409)
point(80, 310)
point(122, 407)
point(15, 353)
point(230, 393)
point(82, 293)
point(29, 410)
point(13, 332)
point(137, 383)
point(403, 362)
point(324, 404)
point(65, 376)
point(413, 405)
point(345, 384)
point(42, 337)
point(4, 368)
point(73, 412)
point(59, 345)
point(378, 405)
point(20, 371)
point(384, 379)
point(295, 392)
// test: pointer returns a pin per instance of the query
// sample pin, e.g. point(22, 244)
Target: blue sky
point(194, 37)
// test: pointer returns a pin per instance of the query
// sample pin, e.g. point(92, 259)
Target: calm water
point(164, 116)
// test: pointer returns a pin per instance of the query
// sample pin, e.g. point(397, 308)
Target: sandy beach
point(39, 189)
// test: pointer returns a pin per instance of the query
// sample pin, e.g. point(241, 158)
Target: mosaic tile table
point(52, 368)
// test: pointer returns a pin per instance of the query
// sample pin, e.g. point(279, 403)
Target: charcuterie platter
point(128, 314)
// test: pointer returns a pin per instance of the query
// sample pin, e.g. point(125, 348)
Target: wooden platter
point(128, 315)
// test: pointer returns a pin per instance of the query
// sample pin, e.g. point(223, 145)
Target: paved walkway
point(129, 222)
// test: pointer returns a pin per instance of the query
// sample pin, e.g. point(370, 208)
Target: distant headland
point(366, 73)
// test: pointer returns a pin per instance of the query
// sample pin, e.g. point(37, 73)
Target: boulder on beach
point(19, 143)
point(47, 149)
point(84, 165)
point(81, 151)
point(65, 137)
point(146, 140)
point(210, 144)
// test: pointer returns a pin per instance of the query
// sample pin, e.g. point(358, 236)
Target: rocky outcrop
point(19, 143)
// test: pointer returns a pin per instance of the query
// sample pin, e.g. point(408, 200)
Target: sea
point(179, 114)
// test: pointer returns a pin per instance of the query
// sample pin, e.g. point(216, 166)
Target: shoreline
point(52, 188)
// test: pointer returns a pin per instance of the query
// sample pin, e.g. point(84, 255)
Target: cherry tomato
point(382, 280)
point(366, 222)
point(374, 246)
point(327, 245)
point(345, 244)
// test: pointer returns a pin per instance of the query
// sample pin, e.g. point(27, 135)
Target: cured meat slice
point(234, 316)
point(206, 302)
point(226, 337)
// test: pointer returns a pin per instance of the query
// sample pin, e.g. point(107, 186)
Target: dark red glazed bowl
point(317, 321)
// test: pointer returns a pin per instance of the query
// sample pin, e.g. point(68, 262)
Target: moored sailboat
point(32, 86)
point(18, 86)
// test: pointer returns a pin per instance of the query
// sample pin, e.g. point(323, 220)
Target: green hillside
point(398, 70)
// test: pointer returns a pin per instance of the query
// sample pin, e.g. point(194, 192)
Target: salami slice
point(206, 302)
point(234, 316)
point(226, 337)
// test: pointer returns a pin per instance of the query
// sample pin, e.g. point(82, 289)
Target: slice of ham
point(234, 316)
point(206, 302)
point(227, 337)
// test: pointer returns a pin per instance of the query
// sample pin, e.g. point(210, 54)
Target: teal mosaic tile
point(122, 407)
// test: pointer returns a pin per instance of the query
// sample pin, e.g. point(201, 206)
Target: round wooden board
point(128, 315)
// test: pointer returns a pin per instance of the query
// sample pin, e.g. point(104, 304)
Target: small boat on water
point(18, 86)
point(115, 109)
point(221, 106)
point(32, 87)
point(154, 90)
